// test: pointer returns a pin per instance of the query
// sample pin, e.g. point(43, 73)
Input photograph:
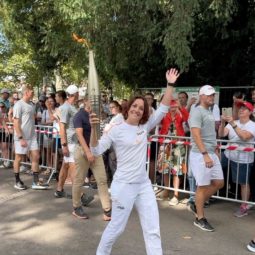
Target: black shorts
point(5, 138)
point(56, 146)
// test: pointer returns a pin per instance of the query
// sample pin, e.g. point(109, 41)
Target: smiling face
point(135, 112)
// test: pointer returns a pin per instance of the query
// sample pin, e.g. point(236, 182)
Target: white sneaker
point(22, 169)
point(173, 201)
point(7, 163)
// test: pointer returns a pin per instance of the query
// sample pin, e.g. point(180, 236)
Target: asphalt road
point(36, 223)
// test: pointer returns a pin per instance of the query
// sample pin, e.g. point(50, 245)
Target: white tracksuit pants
point(124, 197)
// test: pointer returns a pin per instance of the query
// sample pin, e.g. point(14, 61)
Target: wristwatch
point(64, 144)
point(204, 152)
point(20, 137)
point(235, 126)
point(170, 84)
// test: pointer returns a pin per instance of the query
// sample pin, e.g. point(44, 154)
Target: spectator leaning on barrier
point(25, 138)
point(204, 162)
point(239, 132)
point(68, 138)
point(47, 120)
point(4, 135)
point(171, 161)
point(84, 160)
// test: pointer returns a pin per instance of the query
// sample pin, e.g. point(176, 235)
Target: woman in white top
point(131, 185)
point(240, 132)
point(47, 120)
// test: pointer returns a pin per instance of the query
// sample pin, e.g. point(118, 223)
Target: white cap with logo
point(206, 90)
point(72, 89)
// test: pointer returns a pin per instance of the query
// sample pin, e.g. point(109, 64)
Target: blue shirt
point(81, 120)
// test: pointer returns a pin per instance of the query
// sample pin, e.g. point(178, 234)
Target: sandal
point(46, 172)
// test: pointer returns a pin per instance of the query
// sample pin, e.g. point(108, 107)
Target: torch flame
point(81, 40)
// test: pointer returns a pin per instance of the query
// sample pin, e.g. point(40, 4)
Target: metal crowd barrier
point(47, 138)
point(168, 156)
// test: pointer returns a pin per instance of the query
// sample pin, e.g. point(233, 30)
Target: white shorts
point(201, 173)
point(70, 159)
point(32, 145)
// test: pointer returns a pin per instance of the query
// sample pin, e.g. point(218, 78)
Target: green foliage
point(134, 41)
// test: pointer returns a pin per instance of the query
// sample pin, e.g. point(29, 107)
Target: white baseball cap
point(5, 91)
point(206, 90)
point(72, 89)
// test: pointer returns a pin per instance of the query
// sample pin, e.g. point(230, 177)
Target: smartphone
point(227, 111)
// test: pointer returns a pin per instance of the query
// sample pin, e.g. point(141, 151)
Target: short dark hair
point(149, 94)
point(185, 93)
point(146, 112)
point(116, 103)
point(62, 94)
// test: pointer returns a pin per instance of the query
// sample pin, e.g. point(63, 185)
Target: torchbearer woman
point(131, 185)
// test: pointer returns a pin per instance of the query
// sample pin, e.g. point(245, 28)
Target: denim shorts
point(240, 172)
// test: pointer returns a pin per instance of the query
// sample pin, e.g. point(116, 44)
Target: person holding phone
point(239, 132)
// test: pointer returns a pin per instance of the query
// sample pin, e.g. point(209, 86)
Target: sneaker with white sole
point(7, 164)
point(40, 186)
point(79, 213)
point(251, 246)
point(173, 201)
point(242, 211)
point(203, 224)
point(20, 185)
point(23, 169)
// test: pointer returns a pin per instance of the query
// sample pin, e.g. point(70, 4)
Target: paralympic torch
point(93, 85)
point(93, 89)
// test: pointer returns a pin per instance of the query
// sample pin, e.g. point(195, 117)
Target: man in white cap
point(203, 160)
point(68, 138)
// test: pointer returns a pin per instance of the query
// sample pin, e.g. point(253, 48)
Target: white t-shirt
point(241, 156)
point(130, 145)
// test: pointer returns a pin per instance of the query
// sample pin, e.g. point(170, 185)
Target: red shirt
point(179, 118)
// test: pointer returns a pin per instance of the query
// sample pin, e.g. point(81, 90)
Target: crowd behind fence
point(171, 161)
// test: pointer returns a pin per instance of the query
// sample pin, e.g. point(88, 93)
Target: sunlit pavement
point(36, 223)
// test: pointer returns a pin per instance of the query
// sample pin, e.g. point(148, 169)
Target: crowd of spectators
point(168, 163)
